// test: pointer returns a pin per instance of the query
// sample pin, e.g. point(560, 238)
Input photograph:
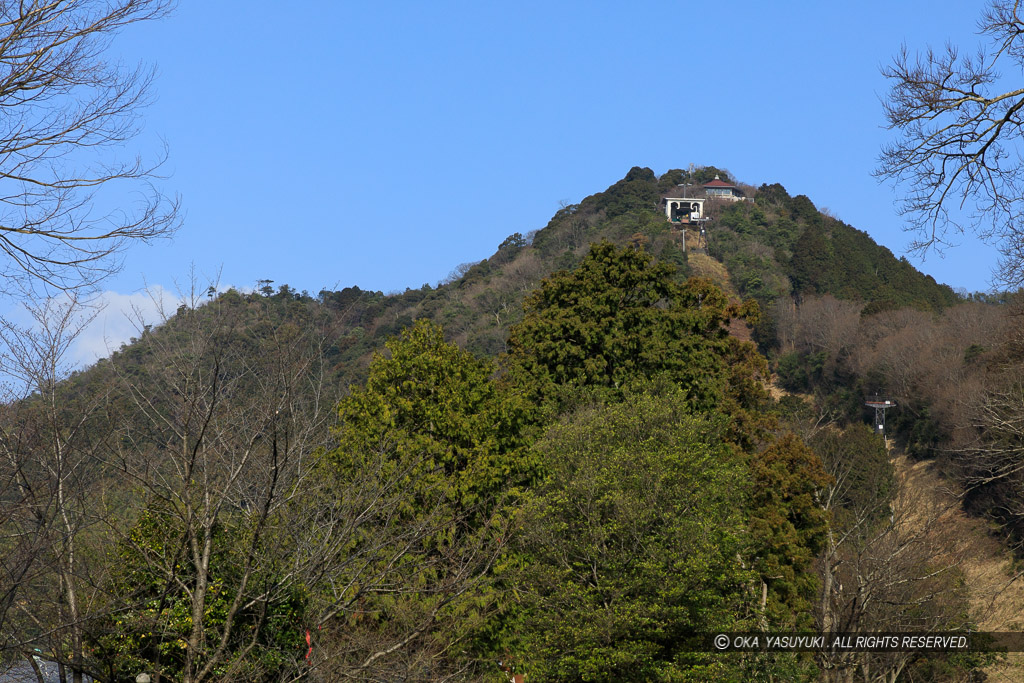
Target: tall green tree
point(438, 407)
point(632, 547)
point(433, 424)
point(812, 265)
point(789, 528)
point(592, 340)
point(620, 318)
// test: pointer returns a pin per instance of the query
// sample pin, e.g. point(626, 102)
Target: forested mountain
point(776, 246)
point(564, 458)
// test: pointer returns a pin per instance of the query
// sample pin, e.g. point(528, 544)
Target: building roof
point(718, 182)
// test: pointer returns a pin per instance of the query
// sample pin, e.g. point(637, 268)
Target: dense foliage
point(605, 530)
point(631, 548)
point(442, 416)
point(563, 458)
point(620, 318)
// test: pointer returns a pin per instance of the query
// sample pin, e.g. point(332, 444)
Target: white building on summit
point(719, 189)
point(691, 209)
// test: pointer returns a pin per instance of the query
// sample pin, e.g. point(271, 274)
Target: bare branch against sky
point(68, 111)
point(957, 155)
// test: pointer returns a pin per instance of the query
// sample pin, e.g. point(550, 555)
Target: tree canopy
point(631, 549)
point(439, 412)
point(619, 318)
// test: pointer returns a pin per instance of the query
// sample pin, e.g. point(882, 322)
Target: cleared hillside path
point(994, 581)
point(703, 265)
point(995, 587)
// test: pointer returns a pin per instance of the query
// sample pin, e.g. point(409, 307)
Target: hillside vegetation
point(775, 247)
point(563, 458)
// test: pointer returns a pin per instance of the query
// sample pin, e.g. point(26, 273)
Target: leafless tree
point(991, 468)
point(525, 272)
point(827, 324)
point(215, 443)
point(958, 146)
point(887, 564)
point(457, 273)
point(235, 511)
point(47, 461)
point(68, 110)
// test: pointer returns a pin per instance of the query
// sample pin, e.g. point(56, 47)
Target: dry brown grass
point(996, 590)
point(702, 265)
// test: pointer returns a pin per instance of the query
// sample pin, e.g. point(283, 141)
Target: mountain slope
point(234, 392)
point(773, 247)
point(776, 246)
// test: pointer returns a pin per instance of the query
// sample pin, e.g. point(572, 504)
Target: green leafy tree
point(432, 423)
point(631, 547)
point(706, 174)
point(638, 191)
point(774, 194)
point(812, 264)
point(439, 408)
point(672, 178)
point(617, 325)
point(620, 318)
point(789, 527)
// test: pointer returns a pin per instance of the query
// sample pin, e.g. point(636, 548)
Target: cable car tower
point(880, 405)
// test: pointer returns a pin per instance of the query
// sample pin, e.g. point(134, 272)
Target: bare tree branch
point(958, 153)
point(67, 112)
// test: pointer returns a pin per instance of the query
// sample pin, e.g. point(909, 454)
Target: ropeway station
point(684, 209)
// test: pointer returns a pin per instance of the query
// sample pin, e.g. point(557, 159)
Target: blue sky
point(380, 144)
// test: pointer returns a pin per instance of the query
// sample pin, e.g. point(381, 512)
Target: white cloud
point(121, 319)
point(116, 319)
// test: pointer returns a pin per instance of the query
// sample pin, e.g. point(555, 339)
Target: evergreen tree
point(620, 318)
point(441, 416)
point(631, 548)
point(812, 261)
